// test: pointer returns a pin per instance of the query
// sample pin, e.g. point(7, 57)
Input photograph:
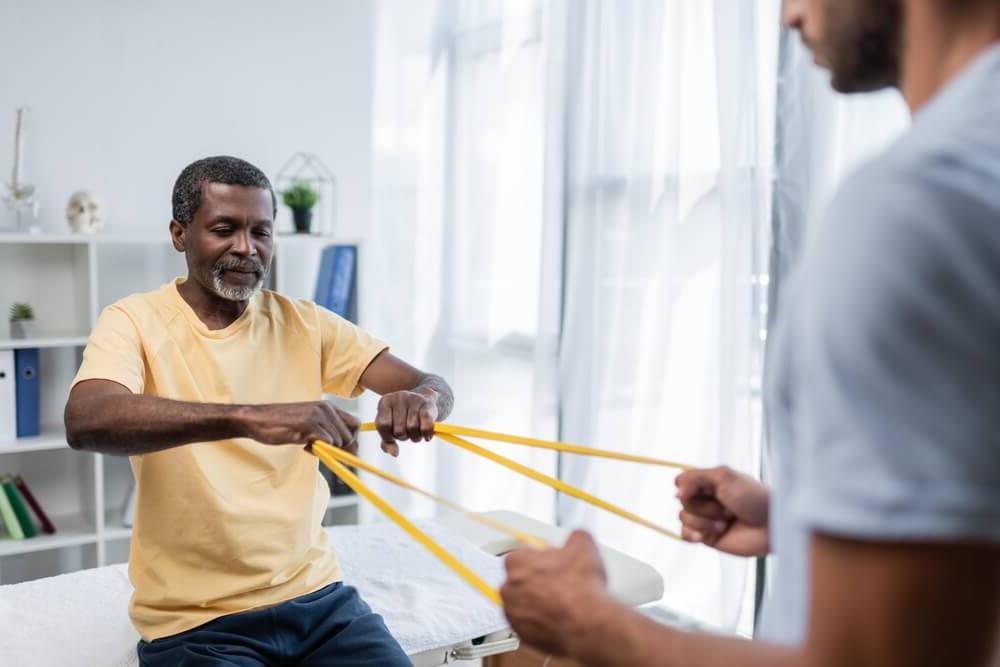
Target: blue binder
point(335, 285)
point(325, 278)
point(28, 391)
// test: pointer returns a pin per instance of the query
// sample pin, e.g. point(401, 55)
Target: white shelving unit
point(68, 280)
point(44, 343)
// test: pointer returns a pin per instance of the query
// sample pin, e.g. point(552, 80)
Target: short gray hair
point(217, 169)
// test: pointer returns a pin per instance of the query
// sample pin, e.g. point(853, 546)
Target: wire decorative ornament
point(307, 168)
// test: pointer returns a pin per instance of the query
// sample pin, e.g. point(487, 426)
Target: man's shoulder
point(912, 231)
point(923, 189)
point(953, 158)
point(145, 309)
point(139, 302)
point(941, 176)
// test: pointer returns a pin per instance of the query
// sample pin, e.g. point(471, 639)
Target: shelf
point(337, 502)
point(80, 239)
point(125, 239)
point(315, 238)
point(119, 533)
point(70, 531)
point(42, 341)
point(53, 437)
point(97, 239)
point(113, 528)
point(56, 239)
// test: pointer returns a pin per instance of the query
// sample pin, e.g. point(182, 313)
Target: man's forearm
point(626, 637)
point(127, 425)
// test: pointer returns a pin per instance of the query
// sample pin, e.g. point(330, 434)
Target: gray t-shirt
point(884, 387)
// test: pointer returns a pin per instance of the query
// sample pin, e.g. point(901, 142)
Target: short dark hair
point(217, 169)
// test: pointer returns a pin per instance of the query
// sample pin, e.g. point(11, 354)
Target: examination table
point(81, 618)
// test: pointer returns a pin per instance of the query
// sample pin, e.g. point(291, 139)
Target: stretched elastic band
point(452, 429)
point(349, 459)
point(323, 451)
point(557, 484)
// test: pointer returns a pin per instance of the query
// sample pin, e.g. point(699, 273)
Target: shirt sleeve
point(114, 352)
point(898, 394)
point(347, 351)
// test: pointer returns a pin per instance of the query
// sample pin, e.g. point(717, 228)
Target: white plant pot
point(22, 328)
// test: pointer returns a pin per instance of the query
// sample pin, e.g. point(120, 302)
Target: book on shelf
point(17, 507)
point(8, 396)
point(19, 394)
point(28, 396)
point(17, 503)
point(43, 519)
point(335, 283)
point(8, 518)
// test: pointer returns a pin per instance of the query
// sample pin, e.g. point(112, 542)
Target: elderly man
point(205, 383)
point(884, 394)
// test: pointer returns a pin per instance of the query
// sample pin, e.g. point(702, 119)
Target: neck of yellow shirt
point(213, 310)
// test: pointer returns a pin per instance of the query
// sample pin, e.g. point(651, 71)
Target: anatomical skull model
point(85, 212)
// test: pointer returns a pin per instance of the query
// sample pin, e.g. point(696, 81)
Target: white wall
point(125, 93)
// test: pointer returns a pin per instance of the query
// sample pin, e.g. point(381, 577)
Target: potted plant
point(301, 197)
point(22, 321)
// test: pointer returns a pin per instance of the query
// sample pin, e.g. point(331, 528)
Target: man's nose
point(243, 244)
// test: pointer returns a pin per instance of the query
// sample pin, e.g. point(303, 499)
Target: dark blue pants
point(332, 626)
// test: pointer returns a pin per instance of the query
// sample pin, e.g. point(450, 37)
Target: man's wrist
point(240, 419)
point(598, 631)
point(614, 634)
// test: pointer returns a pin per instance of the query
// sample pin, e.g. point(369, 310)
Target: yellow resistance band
point(325, 453)
point(557, 484)
point(336, 458)
point(452, 429)
point(347, 458)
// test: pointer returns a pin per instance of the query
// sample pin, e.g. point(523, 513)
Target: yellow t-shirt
point(226, 526)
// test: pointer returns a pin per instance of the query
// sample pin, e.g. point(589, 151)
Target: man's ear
point(177, 231)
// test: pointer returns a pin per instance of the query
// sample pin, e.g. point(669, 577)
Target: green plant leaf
point(22, 311)
point(300, 195)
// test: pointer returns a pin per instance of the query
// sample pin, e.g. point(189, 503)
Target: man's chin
point(850, 85)
point(232, 292)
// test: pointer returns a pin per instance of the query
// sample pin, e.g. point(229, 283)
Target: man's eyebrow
point(226, 219)
point(238, 222)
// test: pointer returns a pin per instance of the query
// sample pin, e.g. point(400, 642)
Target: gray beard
point(235, 293)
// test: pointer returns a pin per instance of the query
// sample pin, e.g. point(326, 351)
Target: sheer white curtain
point(670, 121)
point(571, 201)
point(460, 276)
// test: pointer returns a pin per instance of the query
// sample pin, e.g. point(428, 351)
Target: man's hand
point(724, 509)
point(412, 401)
point(301, 424)
point(553, 597)
point(406, 415)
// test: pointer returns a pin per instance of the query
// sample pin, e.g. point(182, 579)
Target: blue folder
point(27, 391)
point(335, 284)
